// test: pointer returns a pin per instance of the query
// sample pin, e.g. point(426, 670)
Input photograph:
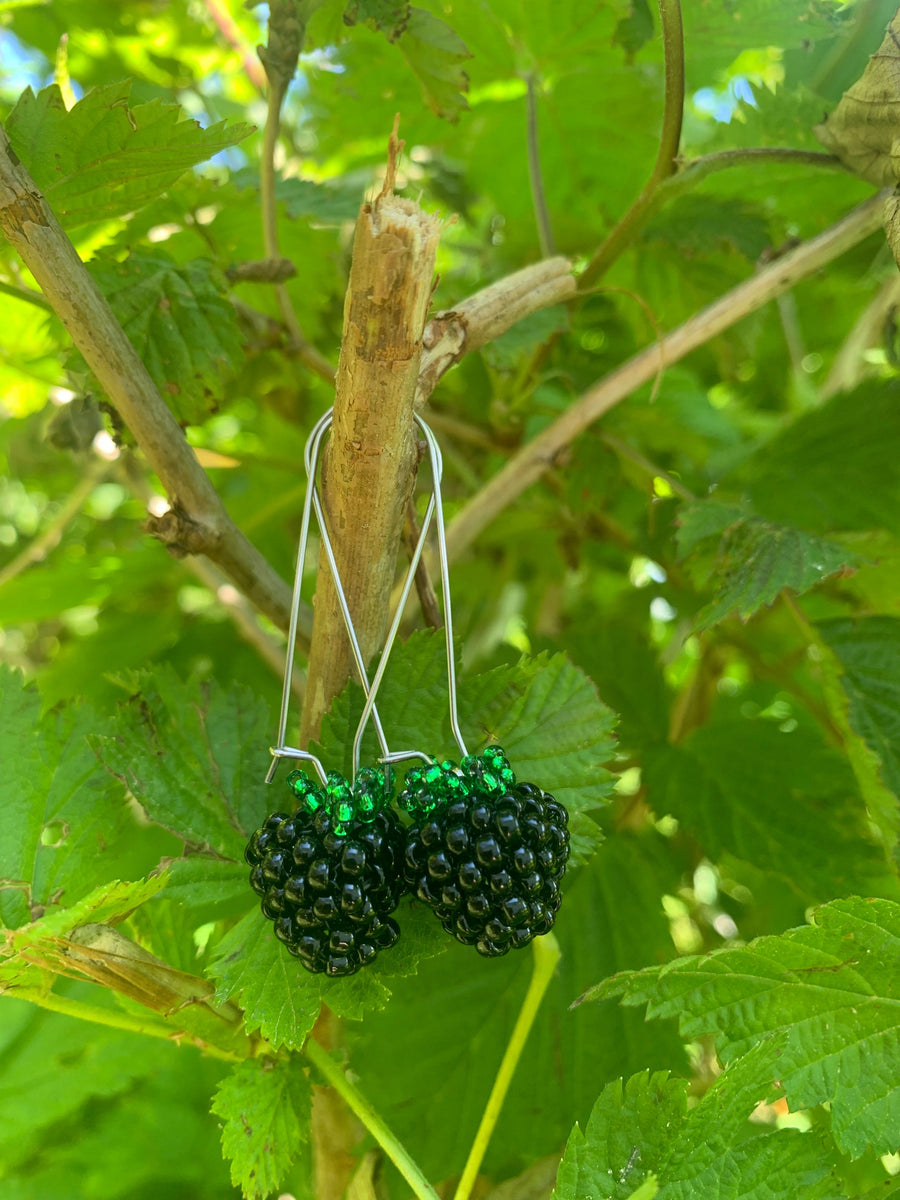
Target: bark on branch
point(370, 460)
point(483, 317)
point(539, 455)
point(198, 515)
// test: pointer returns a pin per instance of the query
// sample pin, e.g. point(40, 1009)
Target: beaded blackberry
point(486, 853)
point(331, 873)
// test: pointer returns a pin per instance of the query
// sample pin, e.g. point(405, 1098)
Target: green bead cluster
point(370, 793)
point(432, 787)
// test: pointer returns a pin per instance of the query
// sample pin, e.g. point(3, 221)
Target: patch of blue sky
point(720, 104)
point(21, 66)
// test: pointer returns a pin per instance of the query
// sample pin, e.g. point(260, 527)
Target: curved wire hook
point(435, 508)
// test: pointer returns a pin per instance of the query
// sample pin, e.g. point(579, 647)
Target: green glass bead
point(300, 783)
point(338, 788)
point(344, 812)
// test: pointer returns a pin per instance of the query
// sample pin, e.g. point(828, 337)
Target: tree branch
point(38, 549)
point(287, 28)
point(538, 197)
point(481, 318)
point(369, 466)
point(667, 155)
point(539, 455)
point(198, 522)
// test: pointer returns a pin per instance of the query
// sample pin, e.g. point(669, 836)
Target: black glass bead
point(439, 866)
point(319, 874)
point(469, 875)
point(488, 852)
point(353, 859)
point(501, 883)
point(284, 929)
point(507, 825)
point(273, 865)
point(456, 839)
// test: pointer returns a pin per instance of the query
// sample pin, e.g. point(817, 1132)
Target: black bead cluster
point(487, 853)
point(331, 874)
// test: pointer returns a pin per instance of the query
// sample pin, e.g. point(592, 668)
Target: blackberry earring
point(486, 853)
point(331, 872)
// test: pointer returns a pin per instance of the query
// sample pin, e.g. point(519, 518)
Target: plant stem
point(112, 1018)
point(307, 353)
point(40, 547)
point(358, 1105)
point(539, 455)
point(667, 155)
point(29, 295)
point(546, 956)
point(709, 164)
point(538, 196)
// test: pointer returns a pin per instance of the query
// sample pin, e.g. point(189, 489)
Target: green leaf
point(861, 131)
point(755, 559)
point(54, 1065)
point(432, 49)
point(281, 999)
point(65, 825)
point(454, 1019)
point(104, 158)
point(779, 799)
point(829, 470)
point(868, 649)
point(558, 733)
point(716, 34)
point(177, 318)
point(829, 990)
point(266, 1107)
point(26, 780)
point(194, 755)
point(108, 904)
point(636, 29)
point(644, 1132)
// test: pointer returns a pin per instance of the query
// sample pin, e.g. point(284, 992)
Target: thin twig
point(29, 295)
point(240, 612)
point(38, 549)
point(428, 600)
point(697, 169)
point(280, 74)
point(667, 155)
point(231, 32)
point(538, 196)
point(546, 957)
point(849, 367)
point(656, 472)
point(357, 1104)
point(539, 455)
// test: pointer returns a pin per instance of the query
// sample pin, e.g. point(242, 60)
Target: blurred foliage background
point(736, 736)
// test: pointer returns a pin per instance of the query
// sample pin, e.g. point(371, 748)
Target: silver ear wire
point(311, 501)
point(311, 504)
point(435, 508)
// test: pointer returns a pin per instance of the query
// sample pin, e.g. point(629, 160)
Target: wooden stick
point(369, 466)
